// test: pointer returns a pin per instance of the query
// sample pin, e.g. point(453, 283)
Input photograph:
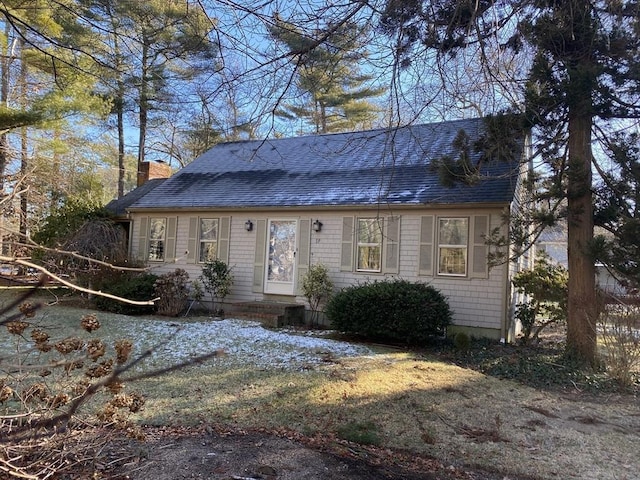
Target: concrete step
point(271, 314)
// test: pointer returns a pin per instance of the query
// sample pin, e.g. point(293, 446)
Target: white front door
point(281, 257)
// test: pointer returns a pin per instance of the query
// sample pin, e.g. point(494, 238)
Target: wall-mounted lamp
point(248, 225)
point(317, 226)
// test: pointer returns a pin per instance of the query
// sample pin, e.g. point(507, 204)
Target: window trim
point(201, 241)
point(464, 247)
point(163, 240)
point(379, 245)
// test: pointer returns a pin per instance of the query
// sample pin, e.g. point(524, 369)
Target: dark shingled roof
point(119, 206)
point(346, 169)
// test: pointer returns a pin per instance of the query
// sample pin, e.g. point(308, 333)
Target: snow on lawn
point(241, 341)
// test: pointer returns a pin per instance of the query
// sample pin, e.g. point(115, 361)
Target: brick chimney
point(151, 170)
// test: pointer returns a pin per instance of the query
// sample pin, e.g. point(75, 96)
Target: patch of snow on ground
point(241, 341)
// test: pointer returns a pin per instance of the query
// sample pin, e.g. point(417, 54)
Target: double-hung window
point(453, 239)
point(208, 237)
point(157, 239)
point(369, 245)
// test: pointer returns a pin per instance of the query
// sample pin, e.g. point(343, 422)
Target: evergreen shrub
point(130, 286)
point(395, 310)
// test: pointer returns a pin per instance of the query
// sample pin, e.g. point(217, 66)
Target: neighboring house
point(553, 241)
point(368, 205)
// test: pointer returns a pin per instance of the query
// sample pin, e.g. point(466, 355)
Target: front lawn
point(418, 402)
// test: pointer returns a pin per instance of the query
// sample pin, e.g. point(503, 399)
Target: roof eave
point(265, 208)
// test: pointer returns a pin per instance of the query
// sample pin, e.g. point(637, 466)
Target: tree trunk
point(24, 195)
point(582, 304)
point(4, 137)
point(120, 119)
point(24, 154)
point(120, 96)
point(4, 94)
point(144, 103)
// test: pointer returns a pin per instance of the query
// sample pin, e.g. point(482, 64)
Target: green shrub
point(130, 286)
point(396, 310)
point(172, 290)
point(316, 288)
point(462, 342)
point(217, 280)
point(546, 287)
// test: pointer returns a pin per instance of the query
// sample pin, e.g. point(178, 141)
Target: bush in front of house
point(132, 286)
point(172, 290)
point(395, 310)
point(217, 280)
point(317, 287)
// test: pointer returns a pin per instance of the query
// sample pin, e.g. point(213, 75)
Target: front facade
point(368, 206)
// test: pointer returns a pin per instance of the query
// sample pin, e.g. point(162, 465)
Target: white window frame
point(378, 244)
point(160, 241)
point(202, 242)
point(463, 247)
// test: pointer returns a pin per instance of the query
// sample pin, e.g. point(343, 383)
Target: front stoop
point(271, 314)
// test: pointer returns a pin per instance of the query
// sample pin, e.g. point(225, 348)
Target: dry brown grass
point(418, 405)
point(410, 402)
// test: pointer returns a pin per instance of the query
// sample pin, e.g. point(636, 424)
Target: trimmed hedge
point(395, 310)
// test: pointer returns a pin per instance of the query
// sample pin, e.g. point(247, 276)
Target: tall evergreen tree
point(584, 82)
point(154, 49)
point(44, 86)
point(334, 91)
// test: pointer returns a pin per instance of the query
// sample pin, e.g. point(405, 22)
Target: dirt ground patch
point(204, 453)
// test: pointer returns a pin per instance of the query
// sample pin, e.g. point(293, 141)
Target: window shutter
point(259, 259)
point(143, 237)
point(391, 245)
point(224, 233)
point(172, 229)
point(304, 251)
point(192, 245)
point(425, 255)
point(346, 255)
point(479, 267)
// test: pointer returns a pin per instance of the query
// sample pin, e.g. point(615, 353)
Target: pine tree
point(153, 50)
point(334, 91)
point(583, 84)
point(45, 86)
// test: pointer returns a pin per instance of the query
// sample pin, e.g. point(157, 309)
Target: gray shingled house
point(368, 205)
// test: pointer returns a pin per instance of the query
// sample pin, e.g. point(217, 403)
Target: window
point(453, 236)
point(157, 239)
point(208, 235)
point(369, 247)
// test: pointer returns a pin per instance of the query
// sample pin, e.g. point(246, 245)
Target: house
point(553, 241)
point(368, 205)
point(150, 175)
